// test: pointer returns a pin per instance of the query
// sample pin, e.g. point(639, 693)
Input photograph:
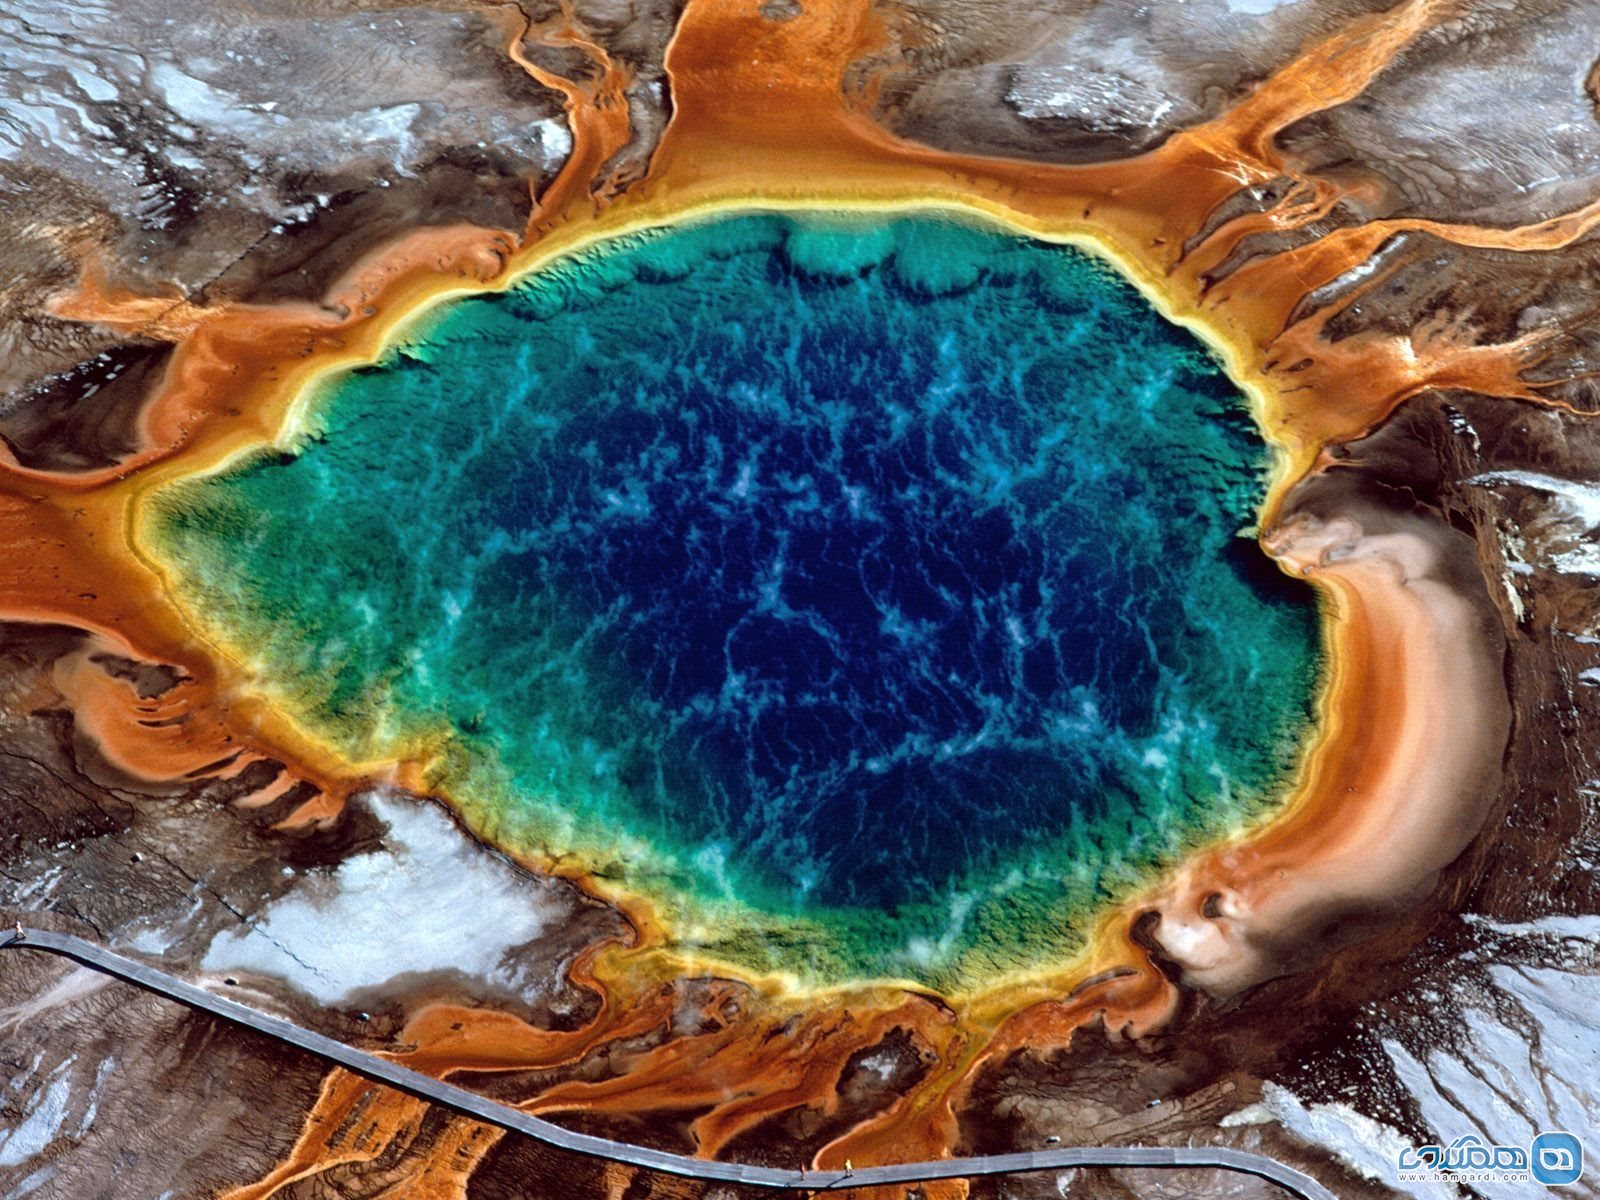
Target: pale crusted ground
point(256, 150)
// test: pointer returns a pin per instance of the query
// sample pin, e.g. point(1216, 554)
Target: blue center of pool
point(888, 573)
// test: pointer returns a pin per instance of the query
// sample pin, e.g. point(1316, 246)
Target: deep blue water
point(850, 568)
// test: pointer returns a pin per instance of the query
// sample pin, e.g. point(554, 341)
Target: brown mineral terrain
point(1382, 216)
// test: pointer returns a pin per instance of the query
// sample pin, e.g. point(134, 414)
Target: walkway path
point(434, 1091)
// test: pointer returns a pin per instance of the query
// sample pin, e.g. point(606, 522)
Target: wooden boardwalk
point(383, 1070)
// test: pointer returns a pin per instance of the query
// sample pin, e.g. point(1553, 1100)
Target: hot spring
point(877, 596)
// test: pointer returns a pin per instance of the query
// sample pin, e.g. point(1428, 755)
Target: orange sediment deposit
point(1384, 808)
point(1372, 375)
point(72, 556)
point(709, 1049)
point(63, 569)
point(354, 1123)
point(597, 112)
point(226, 353)
point(1375, 375)
point(761, 119)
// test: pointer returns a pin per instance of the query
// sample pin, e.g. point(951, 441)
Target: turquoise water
point(874, 594)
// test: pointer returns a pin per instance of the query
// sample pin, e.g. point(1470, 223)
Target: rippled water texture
point(873, 594)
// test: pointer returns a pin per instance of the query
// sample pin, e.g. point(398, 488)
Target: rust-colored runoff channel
point(434, 1091)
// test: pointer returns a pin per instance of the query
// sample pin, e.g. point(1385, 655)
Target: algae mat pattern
point(875, 595)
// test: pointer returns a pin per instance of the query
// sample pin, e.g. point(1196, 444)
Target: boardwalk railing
point(470, 1104)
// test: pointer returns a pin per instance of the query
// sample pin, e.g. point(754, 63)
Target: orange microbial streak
point(762, 118)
